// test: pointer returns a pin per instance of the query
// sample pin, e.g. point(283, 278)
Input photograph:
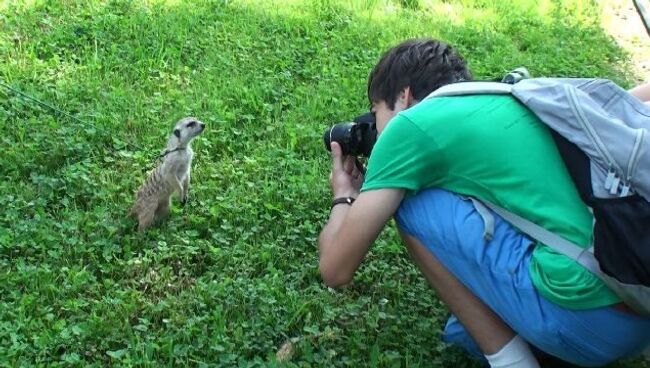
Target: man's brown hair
point(424, 65)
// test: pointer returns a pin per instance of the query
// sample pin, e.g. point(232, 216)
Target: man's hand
point(345, 179)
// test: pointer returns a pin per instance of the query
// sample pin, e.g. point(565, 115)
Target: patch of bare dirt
point(622, 21)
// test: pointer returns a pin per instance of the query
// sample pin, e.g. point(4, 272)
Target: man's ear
point(177, 133)
point(406, 97)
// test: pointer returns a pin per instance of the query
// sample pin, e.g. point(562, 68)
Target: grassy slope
point(234, 275)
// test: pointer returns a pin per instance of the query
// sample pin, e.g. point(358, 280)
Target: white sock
point(515, 354)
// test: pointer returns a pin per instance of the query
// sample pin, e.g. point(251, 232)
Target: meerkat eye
point(191, 124)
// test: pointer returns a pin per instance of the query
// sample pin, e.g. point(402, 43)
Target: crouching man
point(508, 293)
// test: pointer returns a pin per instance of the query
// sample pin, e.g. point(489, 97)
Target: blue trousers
point(497, 273)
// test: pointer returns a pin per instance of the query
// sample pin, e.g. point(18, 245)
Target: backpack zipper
point(612, 180)
point(634, 160)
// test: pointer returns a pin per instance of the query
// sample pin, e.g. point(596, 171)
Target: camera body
point(356, 138)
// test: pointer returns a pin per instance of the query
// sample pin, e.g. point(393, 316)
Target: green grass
point(230, 278)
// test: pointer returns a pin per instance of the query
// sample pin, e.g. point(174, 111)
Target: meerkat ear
point(177, 133)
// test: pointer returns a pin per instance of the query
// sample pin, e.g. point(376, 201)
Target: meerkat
point(172, 175)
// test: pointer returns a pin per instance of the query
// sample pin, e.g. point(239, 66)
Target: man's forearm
point(331, 229)
point(351, 230)
point(337, 217)
point(333, 273)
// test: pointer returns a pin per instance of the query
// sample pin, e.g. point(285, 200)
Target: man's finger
point(355, 169)
point(348, 164)
point(337, 159)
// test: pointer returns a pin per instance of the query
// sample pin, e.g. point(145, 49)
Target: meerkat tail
point(146, 213)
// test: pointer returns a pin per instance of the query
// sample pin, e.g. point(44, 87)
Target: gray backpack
point(601, 133)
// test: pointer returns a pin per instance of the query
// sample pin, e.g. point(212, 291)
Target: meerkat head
point(187, 129)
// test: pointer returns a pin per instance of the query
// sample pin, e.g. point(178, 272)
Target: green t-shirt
point(493, 148)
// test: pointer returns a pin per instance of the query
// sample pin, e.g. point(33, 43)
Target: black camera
point(356, 138)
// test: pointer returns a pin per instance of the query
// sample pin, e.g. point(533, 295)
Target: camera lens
point(343, 134)
point(356, 138)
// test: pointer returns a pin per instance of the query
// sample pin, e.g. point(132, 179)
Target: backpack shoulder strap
point(471, 88)
point(584, 256)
